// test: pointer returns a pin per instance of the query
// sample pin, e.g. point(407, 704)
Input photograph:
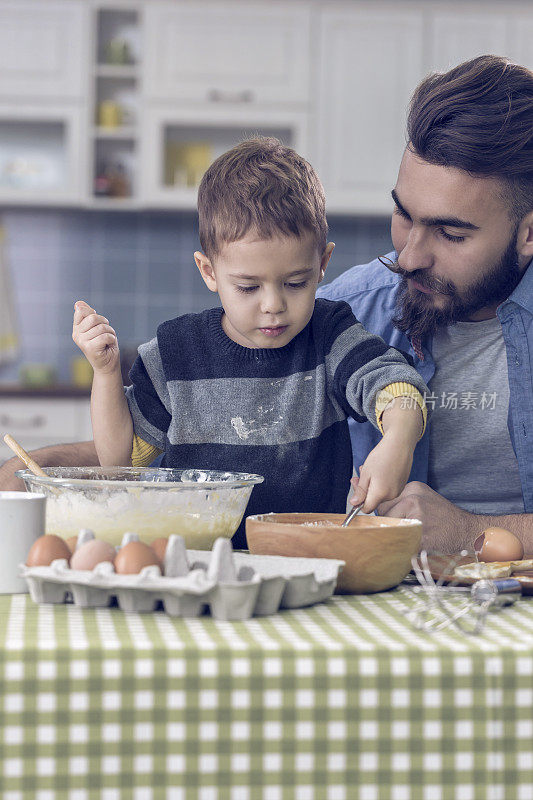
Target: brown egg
point(498, 544)
point(133, 557)
point(91, 553)
point(46, 549)
point(72, 541)
point(159, 546)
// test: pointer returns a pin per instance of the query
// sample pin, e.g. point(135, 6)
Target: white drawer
point(36, 422)
point(41, 418)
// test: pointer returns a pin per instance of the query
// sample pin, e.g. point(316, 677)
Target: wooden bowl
point(377, 550)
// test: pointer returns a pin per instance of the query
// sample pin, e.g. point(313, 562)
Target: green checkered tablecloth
point(341, 701)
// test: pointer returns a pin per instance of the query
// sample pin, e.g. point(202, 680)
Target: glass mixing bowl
point(199, 505)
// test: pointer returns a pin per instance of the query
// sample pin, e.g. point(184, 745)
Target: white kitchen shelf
point(39, 154)
point(119, 71)
point(127, 133)
point(115, 88)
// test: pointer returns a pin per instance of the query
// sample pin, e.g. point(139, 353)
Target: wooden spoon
point(32, 465)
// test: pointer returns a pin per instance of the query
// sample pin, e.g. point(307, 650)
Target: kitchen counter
point(57, 390)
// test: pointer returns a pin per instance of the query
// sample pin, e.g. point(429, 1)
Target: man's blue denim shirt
point(371, 291)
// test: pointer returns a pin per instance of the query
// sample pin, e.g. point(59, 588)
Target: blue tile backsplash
point(136, 268)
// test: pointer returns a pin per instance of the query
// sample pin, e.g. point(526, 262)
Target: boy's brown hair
point(264, 186)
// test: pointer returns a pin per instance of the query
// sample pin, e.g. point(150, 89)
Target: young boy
point(265, 383)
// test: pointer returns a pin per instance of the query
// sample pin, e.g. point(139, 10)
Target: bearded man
point(457, 295)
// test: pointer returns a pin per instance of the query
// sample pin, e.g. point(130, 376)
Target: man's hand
point(448, 528)
point(96, 338)
point(445, 527)
point(75, 454)
point(8, 482)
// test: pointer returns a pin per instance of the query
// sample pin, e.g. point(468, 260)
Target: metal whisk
point(466, 607)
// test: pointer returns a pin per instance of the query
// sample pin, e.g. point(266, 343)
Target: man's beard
point(415, 315)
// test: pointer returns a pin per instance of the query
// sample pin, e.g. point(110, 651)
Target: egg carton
point(231, 585)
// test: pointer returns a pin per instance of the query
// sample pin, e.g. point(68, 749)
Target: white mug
point(22, 521)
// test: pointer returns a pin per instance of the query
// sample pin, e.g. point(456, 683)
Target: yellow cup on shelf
point(109, 114)
point(186, 162)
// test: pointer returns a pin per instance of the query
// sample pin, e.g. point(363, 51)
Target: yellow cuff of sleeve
point(142, 453)
point(400, 389)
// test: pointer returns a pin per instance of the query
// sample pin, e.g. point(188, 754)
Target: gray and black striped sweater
point(210, 403)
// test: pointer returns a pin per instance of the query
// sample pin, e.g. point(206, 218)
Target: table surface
point(345, 700)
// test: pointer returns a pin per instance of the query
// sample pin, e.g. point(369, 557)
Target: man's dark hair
point(478, 117)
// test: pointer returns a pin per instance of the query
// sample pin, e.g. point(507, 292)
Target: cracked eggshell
point(93, 552)
point(498, 544)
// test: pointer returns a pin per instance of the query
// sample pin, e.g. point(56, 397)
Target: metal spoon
point(351, 514)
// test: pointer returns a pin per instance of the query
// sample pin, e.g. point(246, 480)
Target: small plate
point(439, 569)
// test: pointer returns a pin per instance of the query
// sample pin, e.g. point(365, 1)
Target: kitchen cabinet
point(40, 149)
point(43, 50)
point(43, 62)
point(451, 43)
point(40, 421)
point(483, 29)
point(372, 56)
point(215, 74)
point(121, 104)
point(520, 37)
point(116, 72)
point(228, 53)
point(370, 60)
point(188, 138)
